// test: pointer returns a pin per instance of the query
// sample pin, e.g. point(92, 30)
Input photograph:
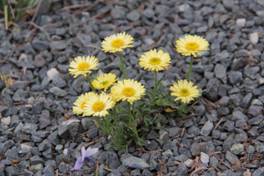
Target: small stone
point(58, 91)
point(134, 162)
point(133, 15)
point(48, 171)
point(261, 2)
point(207, 128)
point(25, 148)
point(188, 162)
point(54, 75)
point(167, 153)
point(118, 12)
point(44, 120)
point(149, 13)
point(233, 159)
point(204, 158)
point(59, 147)
point(174, 131)
point(220, 71)
point(259, 172)
point(39, 61)
point(87, 123)
point(69, 127)
point(6, 120)
point(235, 77)
point(58, 45)
point(237, 149)
point(184, 7)
point(36, 160)
point(164, 136)
point(254, 37)
point(241, 22)
point(238, 115)
point(36, 167)
point(181, 170)
point(214, 161)
point(259, 147)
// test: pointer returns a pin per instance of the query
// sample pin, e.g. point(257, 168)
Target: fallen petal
point(78, 164)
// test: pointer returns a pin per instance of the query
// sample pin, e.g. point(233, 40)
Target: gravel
point(41, 136)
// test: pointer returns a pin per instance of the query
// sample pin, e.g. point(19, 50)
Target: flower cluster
point(111, 96)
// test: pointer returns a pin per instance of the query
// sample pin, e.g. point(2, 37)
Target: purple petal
point(78, 164)
point(86, 154)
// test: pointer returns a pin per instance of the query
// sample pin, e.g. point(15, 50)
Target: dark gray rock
point(118, 12)
point(235, 77)
point(258, 172)
point(133, 15)
point(87, 123)
point(237, 149)
point(134, 162)
point(58, 45)
point(233, 159)
point(220, 71)
point(58, 91)
point(69, 128)
point(207, 128)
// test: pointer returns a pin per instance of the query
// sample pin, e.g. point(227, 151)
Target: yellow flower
point(83, 65)
point(185, 91)
point(99, 105)
point(117, 42)
point(104, 81)
point(191, 45)
point(127, 90)
point(81, 102)
point(155, 60)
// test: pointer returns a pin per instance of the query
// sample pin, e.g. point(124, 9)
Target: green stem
point(189, 72)
point(6, 16)
point(183, 108)
point(122, 67)
point(155, 82)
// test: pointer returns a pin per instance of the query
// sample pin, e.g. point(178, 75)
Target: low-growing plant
point(123, 108)
point(15, 9)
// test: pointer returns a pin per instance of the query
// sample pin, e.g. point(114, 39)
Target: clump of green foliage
point(14, 10)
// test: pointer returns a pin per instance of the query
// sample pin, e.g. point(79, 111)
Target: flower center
point(118, 43)
point(128, 92)
point(83, 66)
point(98, 106)
point(104, 83)
point(184, 92)
point(192, 46)
point(155, 61)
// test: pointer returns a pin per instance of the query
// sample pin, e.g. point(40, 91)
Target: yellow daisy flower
point(117, 42)
point(104, 81)
point(99, 105)
point(191, 45)
point(185, 91)
point(80, 103)
point(83, 65)
point(155, 60)
point(127, 90)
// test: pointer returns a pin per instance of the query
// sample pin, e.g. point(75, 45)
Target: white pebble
point(204, 158)
point(254, 37)
point(241, 22)
point(188, 162)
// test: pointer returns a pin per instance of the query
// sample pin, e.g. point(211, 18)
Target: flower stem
point(182, 109)
point(6, 16)
point(189, 72)
point(122, 67)
point(155, 81)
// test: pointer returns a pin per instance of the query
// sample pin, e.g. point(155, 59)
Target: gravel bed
point(39, 135)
